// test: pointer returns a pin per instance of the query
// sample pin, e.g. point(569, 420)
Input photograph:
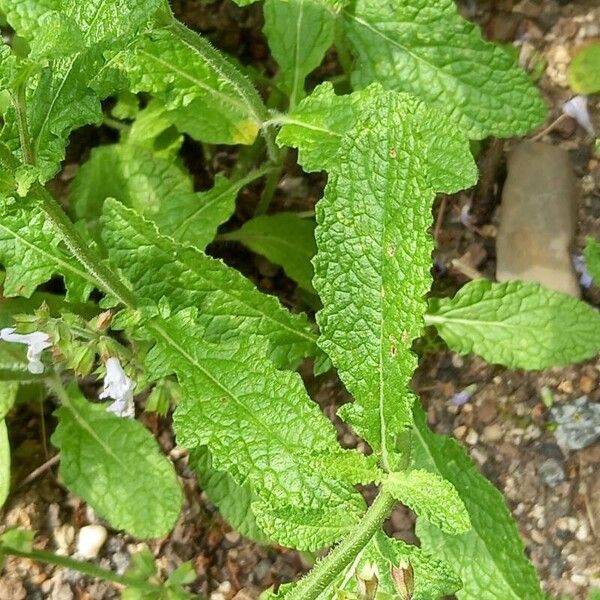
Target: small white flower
point(36, 342)
point(118, 387)
point(577, 108)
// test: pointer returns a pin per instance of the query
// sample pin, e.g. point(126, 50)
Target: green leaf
point(9, 389)
point(592, 258)
point(156, 187)
point(374, 253)
point(583, 73)
point(299, 33)
point(431, 497)
point(489, 558)
point(31, 252)
point(320, 121)
point(205, 95)
point(285, 239)
point(233, 501)
point(517, 324)
point(425, 48)
point(4, 463)
point(259, 425)
point(66, 93)
point(158, 267)
point(116, 466)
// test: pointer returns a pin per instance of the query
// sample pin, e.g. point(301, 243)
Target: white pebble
point(90, 540)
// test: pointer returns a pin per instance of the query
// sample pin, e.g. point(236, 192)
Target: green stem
point(83, 567)
point(325, 572)
point(103, 276)
point(20, 104)
point(269, 190)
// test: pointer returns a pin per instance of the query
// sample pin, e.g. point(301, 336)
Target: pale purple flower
point(36, 342)
point(465, 218)
point(577, 108)
point(118, 387)
point(580, 266)
point(462, 397)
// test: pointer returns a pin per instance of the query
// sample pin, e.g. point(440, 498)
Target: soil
point(505, 425)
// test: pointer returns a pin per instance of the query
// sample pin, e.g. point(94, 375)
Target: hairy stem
point(82, 567)
point(102, 275)
point(244, 88)
point(20, 104)
point(342, 555)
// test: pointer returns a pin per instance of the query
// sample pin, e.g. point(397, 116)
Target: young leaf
point(431, 497)
point(4, 463)
point(592, 258)
point(517, 324)
point(299, 33)
point(489, 558)
point(233, 501)
point(385, 558)
point(31, 252)
point(373, 262)
point(66, 93)
point(158, 267)
point(205, 95)
point(258, 423)
point(425, 48)
point(320, 121)
point(115, 465)
point(285, 239)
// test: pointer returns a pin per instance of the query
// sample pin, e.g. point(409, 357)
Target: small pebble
point(551, 472)
point(472, 437)
point(492, 433)
point(63, 537)
point(90, 540)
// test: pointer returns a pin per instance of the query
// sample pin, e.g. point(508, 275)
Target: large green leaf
point(285, 239)
point(425, 48)
point(584, 70)
point(116, 466)
point(489, 558)
point(517, 324)
point(373, 262)
point(320, 121)
point(66, 92)
point(158, 267)
point(204, 94)
point(233, 501)
point(299, 33)
point(31, 252)
point(259, 425)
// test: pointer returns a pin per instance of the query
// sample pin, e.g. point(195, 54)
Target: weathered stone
point(537, 221)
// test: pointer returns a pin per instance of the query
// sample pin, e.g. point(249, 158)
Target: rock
point(551, 472)
point(578, 423)
point(90, 540)
point(537, 221)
